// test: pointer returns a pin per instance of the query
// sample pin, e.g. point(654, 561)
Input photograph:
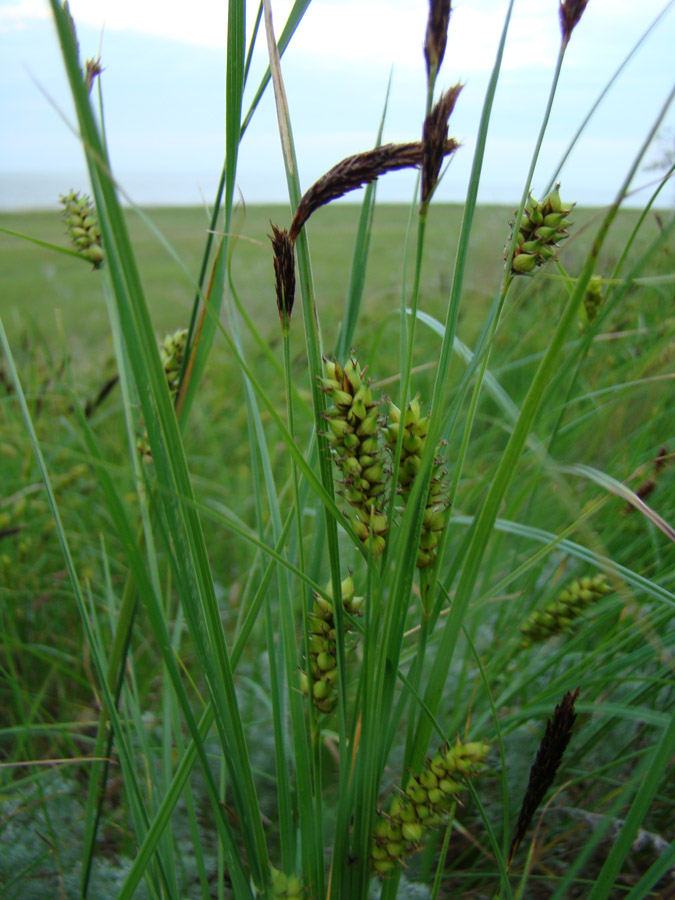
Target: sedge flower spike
point(435, 139)
point(284, 272)
point(92, 70)
point(354, 435)
point(424, 804)
point(570, 13)
point(171, 353)
point(437, 34)
point(547, 761)
point(415, 427)
point(285, 887)
point(542, 227)
point(560, 615)
point(593, 299)
point(82, 226)
point(355, 171)
point(322, 645)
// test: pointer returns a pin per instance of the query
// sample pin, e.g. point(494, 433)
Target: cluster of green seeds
point(171, 353)
point(542, 227)
point(558, 616)
point(82, 226)
point(322, 646)
point(424, 803)
point(285, 887)
point(593, 299)
point(415, 428)
point(354, 433)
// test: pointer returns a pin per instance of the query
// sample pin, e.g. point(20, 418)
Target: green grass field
point(48, 292)
point(617, 419)
point(55, 306)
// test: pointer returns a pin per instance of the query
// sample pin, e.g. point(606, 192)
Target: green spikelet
point(542, 228)
point(171, 353)
point(82, 226)
point(415, 428)
point(285, 887)
point(424, 803)
point(322, 646)
point(354, 433)
point(558, 616)
point(593, 300)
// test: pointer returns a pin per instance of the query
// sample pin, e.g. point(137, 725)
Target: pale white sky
point(164, 94)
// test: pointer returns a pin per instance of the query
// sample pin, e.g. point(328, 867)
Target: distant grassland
point(54, 306)
point(36, 281)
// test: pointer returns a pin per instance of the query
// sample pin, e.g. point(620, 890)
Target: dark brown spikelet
point(549, 756)
point(435, 138)
point(570, 13)
point(356, 171)
point(643, 490)
point(92, 68)
point(662, 458)
point(284, 271)
point(437, 34)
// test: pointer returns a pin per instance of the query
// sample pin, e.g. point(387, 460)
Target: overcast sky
point(164, 92)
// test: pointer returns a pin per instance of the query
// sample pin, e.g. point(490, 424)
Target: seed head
point(560, 615)
point(437, 34)
point(353, 433)
point(82, 226)
point(593, 299)
point(434, 139)
point(415, 427)
point(322, 645)
point(549, 756)
point(424, 803)
point(284, 272)
point(92, 68)
point(662, 459)
point(355, 171)
point(285, 887)
point(645, 488)
point(171, 353)
point(570, 13)
point(542, 227)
